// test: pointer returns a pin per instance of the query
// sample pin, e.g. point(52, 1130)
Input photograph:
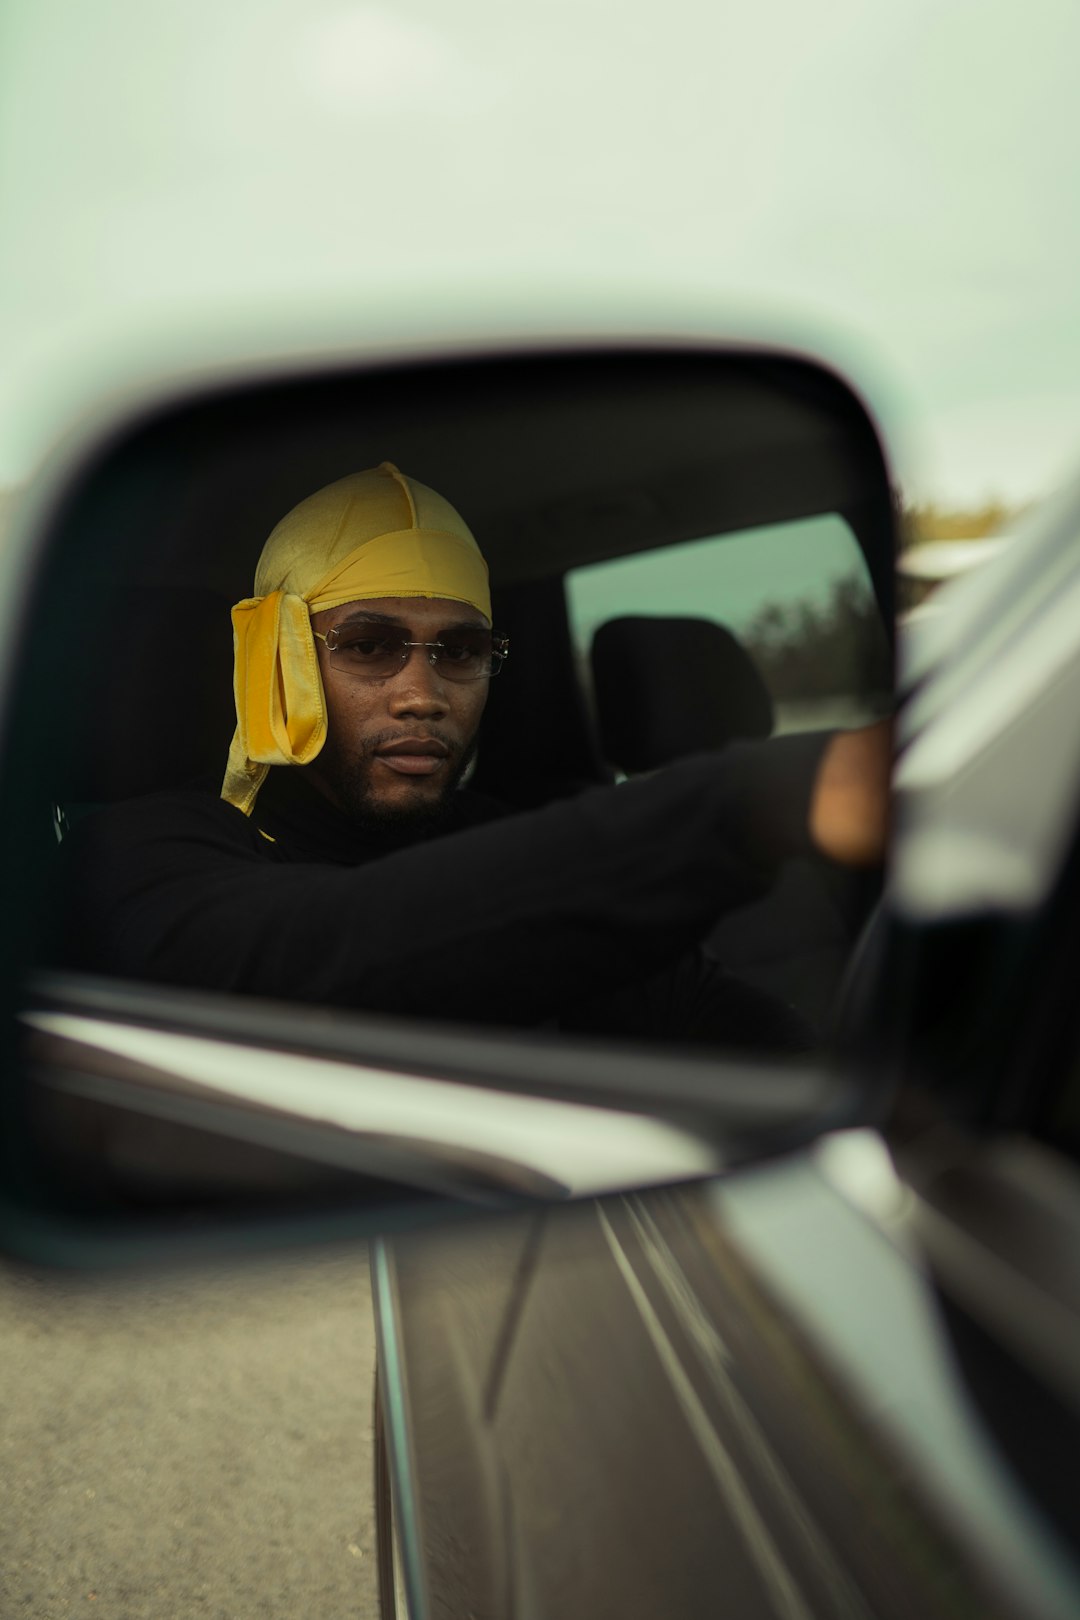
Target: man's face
point(396, 748)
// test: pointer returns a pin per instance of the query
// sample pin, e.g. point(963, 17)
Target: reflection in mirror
point(645, 829)
point(321, 875)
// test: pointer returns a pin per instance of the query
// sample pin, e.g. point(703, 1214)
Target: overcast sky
point(902, 178)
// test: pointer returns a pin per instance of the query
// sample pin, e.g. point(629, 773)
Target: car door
point(844, 1382)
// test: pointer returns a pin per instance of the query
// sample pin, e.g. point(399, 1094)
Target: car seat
point(152, 707)
point(667, 687)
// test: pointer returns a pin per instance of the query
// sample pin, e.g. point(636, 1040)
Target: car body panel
point(740, 1394)
point(854, 1368)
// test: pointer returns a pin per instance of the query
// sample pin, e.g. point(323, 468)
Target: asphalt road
point(192, 1446)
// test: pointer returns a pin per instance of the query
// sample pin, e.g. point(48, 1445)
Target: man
point(344, 865)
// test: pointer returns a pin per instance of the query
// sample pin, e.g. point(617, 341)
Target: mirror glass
point(798, 596)
point(690, 561)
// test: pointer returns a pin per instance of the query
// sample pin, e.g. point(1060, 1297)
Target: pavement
point(196, 1445)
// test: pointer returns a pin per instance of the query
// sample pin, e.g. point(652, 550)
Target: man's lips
point(413, 756)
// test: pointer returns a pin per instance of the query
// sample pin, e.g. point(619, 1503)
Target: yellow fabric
point(373, 534)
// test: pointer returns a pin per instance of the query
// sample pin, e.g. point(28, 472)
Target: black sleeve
point(504, 923)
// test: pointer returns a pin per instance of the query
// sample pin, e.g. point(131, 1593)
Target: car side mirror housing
point(690, 548)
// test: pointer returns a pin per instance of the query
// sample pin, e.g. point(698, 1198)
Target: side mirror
point(690, 549)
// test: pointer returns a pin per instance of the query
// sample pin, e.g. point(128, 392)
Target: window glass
point(797, 596)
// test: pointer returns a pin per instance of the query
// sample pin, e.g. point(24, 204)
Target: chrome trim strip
point(402, 1472)
point(575, 1148)
point(776, 1578)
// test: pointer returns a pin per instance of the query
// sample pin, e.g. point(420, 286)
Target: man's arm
point(505, 923)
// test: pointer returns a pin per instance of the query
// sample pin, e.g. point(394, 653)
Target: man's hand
point(849, 807)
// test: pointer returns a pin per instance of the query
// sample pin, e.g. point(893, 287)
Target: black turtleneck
point(563, 915)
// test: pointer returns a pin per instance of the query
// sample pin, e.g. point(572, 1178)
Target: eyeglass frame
point(500, 650)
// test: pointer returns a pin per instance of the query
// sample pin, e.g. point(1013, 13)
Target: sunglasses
point(371, 654)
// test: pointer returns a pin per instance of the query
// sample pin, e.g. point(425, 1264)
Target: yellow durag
point(374, 534)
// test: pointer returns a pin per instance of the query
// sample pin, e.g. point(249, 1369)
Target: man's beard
point(349, 774)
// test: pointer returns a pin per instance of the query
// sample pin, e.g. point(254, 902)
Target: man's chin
point(372, 804)
point(405, 810)
point(416, 815)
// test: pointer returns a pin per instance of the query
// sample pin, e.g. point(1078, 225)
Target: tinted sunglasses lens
point(373, 655)
point(367, 653)
point(465, 655)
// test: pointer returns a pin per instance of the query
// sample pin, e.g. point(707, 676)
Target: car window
point(796, 596)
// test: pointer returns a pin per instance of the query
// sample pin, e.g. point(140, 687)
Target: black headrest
point(668, 687)
point(150, 694)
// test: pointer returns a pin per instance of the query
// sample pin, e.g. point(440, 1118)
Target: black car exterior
point(845, 1383)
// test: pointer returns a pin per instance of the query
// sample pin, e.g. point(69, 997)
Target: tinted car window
point(797, 597)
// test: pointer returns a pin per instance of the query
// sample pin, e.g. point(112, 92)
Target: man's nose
point(419, 688)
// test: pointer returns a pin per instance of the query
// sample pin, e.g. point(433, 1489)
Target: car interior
point(558, 464)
